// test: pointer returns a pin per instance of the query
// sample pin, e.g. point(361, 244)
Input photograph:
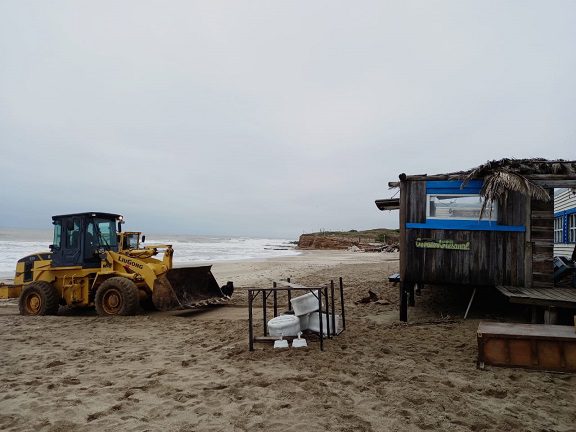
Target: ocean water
point(188, 249)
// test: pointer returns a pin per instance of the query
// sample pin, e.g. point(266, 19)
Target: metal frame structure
point(326, 292)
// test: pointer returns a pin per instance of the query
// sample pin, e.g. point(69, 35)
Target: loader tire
point(39, 298)
point(117, 296)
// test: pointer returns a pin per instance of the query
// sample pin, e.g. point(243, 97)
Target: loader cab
point(80, 238)
point(129, 240)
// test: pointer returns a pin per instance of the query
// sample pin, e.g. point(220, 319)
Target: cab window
point(57, 242)
point(106, 232)
point(73, 233)
point(131, 241)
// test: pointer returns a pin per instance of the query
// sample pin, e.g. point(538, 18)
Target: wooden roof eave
point(388, 204)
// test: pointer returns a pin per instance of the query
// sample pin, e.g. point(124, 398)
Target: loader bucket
point(188, 287)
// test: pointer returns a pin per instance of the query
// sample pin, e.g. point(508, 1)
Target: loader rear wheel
point(39, 298)
point(117, 296)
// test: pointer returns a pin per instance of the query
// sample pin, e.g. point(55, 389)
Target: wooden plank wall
point(542, 237)
point(416, 200)
point(494, 258)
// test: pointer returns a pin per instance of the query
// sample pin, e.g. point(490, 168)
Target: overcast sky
point(269, 118)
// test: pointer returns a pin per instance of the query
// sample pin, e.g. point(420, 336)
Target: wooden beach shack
point(489, 226)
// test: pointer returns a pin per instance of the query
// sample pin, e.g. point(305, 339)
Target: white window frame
point(558, 230)
point(486, 216)
point(572, 228)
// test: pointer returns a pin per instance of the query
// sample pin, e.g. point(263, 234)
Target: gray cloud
point(269, 118)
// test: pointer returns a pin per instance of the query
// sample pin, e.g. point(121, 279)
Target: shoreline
point(223, 269)
point(263, 271)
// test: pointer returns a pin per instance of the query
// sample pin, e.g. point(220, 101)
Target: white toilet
point(284, 325)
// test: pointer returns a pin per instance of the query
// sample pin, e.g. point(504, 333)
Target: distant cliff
point(370, 240)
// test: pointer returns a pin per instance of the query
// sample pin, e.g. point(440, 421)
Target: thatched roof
point(523, 167)
point(513, 175)
point(530, 177)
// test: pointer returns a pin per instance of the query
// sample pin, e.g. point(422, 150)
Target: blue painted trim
point(450, 187)
point(451, 184)
point(458, 191)
point(565, 212)
point(466, 225)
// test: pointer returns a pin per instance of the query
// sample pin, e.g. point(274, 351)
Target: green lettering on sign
point(441, 244)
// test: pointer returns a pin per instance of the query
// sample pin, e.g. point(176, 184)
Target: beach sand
point(192, 371)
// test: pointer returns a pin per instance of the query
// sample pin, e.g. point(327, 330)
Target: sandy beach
point(192, 371)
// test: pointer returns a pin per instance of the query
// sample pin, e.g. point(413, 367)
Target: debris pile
point(395, 247)
point(373, 298)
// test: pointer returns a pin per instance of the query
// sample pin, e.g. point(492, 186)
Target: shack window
point(558, 230)
point(459, 207)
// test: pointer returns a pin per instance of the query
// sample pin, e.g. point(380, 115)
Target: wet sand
point(192, 371)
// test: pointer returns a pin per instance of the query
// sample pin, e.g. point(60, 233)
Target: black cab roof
point(89, 214)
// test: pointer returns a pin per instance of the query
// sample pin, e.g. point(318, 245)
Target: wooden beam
point(566, 183)
point(550, 177)
point(424, 177)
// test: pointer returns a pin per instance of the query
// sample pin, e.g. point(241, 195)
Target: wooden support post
point(534, 314)
point(403, 252)
point(411, 299)
point(403, 302)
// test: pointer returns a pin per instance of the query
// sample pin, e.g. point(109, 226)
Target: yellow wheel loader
point(93, 263)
